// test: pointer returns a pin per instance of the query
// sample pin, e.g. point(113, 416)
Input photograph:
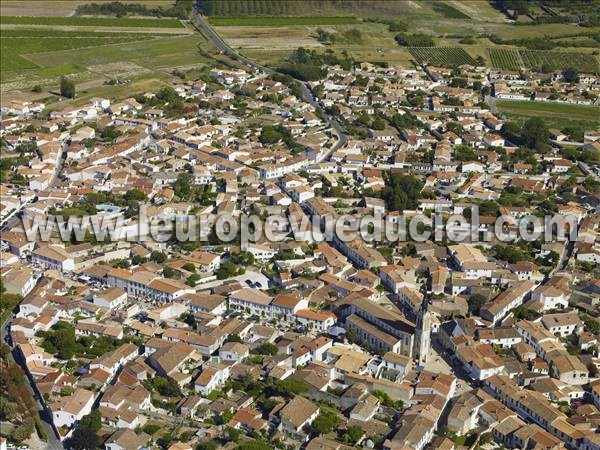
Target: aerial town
point(125, 341)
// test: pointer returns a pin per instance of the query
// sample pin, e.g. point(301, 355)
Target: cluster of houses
point(402, 339)
point(540, 87)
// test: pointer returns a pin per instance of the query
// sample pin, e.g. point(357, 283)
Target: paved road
point(586, 169)
point(53, 443)
point(567, 143)
point(306, 92)
point(491, 101)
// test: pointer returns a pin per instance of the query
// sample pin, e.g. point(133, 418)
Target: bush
point(22, 432)
point(192, 280)
point(189, 267)
point(289, 387)
point(266, 349)
point(353, 434)
point(151, 428)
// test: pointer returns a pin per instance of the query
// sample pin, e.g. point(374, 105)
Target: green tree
point(570, 75)
point(226, 416)
point(23, 431)
point(166, 386)
point(67, 87)
point(110, 133)
point(208, 445)
point(535, 133)
point(192, 280)
point(523, 313)
point(158, 256)
point(189, 267)
point(169, 272)
point(266, 349)
point(289, 387)
point(388, 401)
point(151, 428)
point(378, 124)
point(226, 270)
point(242, 258)
point(476, 301)
point(91, 421)
point(403, 192)
point(8, 409)
point(183, 185)
point(135, 195)
point(326, 422)
point(84, 439)
point(254, 444)
point(353, 434)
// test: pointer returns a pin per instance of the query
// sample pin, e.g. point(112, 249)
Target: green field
point(279, 21)
point(559, 60)
point(448, 11)
point(550, 110)
point(40, 56)
point(509, 59)
point(503, 58)
point(16, 43)
point(126, 22)
point(442, 56)
point(150, 53)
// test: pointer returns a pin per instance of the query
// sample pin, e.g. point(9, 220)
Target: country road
point(306, 91)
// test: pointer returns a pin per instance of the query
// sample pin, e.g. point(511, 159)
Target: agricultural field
point(121, 22)
point(559, 60)
point(59, 8)
point(32, 57)
point(510, 59)
point(504, 58)
point(15, 43)
point(279, 21)
point(550, 111)
point(271, 45)
point(229, 8)
point(442, 56)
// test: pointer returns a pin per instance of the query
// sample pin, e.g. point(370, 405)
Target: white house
point(53, 257)
point(67, 411)
point(211, 378)
point(111, 298)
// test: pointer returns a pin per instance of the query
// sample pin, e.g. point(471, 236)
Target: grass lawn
point(126, 22)
point(279, 21)
point(550, 110)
